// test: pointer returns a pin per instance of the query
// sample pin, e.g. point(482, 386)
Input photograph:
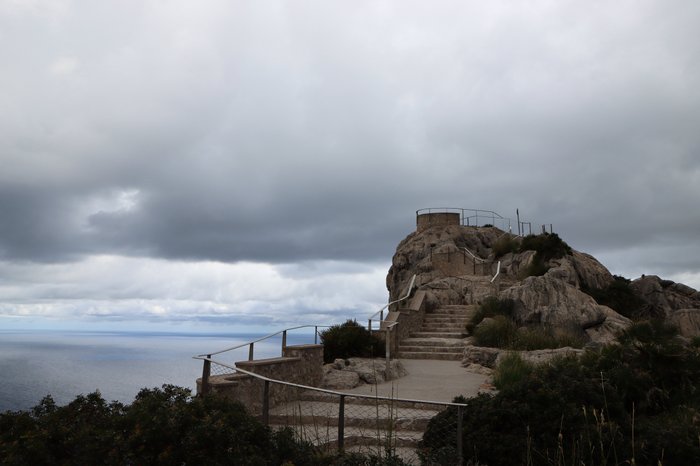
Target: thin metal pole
point(341, 424)
point(387, 353)
point(266, 404)
point(251, 352)
point(284, 341)
point(459, 435)
point(206, 372)
point(316, 335)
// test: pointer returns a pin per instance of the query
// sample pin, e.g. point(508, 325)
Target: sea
point(65, 364)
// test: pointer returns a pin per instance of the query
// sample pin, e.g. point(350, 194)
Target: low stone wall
point(301, 364)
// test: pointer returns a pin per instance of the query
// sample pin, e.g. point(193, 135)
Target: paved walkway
point(427, 380)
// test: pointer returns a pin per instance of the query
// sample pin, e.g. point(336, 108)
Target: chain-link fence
point(416, 431)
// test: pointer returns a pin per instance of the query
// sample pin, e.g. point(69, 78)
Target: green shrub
point(634, 402)
point(491, 307)
point(504, 245)
point(510, 371)
point(350, 340)
point(500, 332)
point(536, 338)
point(620, 297)
point(547, 246)
point(162, 426)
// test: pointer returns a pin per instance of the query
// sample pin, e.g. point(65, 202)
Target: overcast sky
point(230, 163)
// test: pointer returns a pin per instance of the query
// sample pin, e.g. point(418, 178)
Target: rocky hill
point(550, 284)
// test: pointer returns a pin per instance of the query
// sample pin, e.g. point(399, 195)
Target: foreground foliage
point(161, 427)
point(634, 402)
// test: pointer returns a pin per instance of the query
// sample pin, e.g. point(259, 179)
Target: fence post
point(206, 372)
point(266, 404)
point(459, 436)
point(316, 335)
point(284, 341)
point(387, 353)
point(341, 424)
point(251, 352)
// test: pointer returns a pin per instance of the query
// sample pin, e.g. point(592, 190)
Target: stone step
point(365, 401)
point(426, 355)
point(445, 319)
point(438, 334)
point(444, 342)
point(443, 327)
point(355, 438)
point(325, 413)
point(430, 349)
point(454, 309)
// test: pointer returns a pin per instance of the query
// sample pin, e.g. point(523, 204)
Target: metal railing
point(371, 424)
point(251, 344)
point(471, 217)
point(380, 312)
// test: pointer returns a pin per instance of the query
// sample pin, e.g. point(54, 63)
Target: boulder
point(687, 321)
point(349, 373)
point(480, 355)
point(551, 301)
point(335, 379)
point(664, 296)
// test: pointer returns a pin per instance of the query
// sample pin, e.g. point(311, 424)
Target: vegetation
point(504, 245)
point(510, 371)
point(547, 246)
point(161, 427)
point(634, 402)
point(620, 297)
point(502, 331)
point(350, 340)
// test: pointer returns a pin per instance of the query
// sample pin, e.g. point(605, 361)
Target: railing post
point(369, 326)
point(284, 341)
point(459, 435)
point(387, 353)
point(266, 404)
point(315, 334)
point(251, 351)
point(341, 424)
point(206, 372)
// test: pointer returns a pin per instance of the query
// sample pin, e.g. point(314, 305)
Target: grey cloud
point(265, 133)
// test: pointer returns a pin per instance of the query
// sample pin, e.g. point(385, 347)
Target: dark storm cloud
point(279, 134)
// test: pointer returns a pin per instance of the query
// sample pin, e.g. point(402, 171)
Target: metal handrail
point(475, 257)
point(463, 216)
point(381, 311)
point(251, 343)
point(498, 271)
point(325, 390)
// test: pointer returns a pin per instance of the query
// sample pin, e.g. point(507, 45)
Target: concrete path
point(427, 380)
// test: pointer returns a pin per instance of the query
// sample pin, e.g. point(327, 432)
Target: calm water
point(118, 364)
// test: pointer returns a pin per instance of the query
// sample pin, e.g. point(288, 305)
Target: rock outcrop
point(456, 265)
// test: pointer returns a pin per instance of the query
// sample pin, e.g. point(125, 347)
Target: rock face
point(456, 264)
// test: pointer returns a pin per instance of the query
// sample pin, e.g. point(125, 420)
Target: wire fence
point(334, 421)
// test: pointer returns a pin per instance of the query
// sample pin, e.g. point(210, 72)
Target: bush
point(350, 340)
point(510, 371)
point(536, 338)
point(504, 245)
point(162, 426)
point(500, 332)
point(491, 307)
point(634, 402)
point(620, 297)
point(547, 246)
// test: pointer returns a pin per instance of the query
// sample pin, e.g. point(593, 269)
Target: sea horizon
point(118, 363)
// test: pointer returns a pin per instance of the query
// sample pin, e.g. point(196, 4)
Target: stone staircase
point(441, 335)
point(371, 425)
